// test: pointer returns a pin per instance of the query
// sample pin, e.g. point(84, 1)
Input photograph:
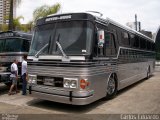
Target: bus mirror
point(100, 38)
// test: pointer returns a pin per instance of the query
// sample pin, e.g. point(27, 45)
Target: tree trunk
point(11, 16)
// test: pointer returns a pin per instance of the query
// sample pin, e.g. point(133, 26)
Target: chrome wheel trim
point(111, 86)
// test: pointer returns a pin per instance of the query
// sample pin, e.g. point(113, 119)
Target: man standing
point(14, 76)
point(24, 74)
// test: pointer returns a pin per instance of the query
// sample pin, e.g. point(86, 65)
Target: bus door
point(106, 44)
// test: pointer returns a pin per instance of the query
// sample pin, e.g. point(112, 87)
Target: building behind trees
point(5, 10)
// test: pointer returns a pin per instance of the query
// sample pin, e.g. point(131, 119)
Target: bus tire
point(111, 87)
point(148, 73)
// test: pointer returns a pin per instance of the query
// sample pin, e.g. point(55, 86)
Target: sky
point(121, 11)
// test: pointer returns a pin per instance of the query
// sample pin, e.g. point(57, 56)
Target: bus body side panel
point(132, 72)
point(134, 67)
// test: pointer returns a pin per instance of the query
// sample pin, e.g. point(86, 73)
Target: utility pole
point(136, 22)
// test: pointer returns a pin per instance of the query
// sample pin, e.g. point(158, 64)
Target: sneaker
point(17, 91)
point(10, 93)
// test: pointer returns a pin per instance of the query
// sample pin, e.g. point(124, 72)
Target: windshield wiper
point(36, 55)
point(60, 47)
point(48, 44)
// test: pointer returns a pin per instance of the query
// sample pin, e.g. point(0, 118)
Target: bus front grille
point(50, 81)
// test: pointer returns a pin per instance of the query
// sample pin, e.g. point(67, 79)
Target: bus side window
point(149, 45)
point(136, 43)
point(132, 40)
point(110, 47)
point(2, 43)
point(125, 39)
point(153, 46)
point(142, 43)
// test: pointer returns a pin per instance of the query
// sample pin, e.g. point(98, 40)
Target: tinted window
point(13, 45)
point(74, 37)
point(149, 45)
point(2, 42)
point(110, 47)
point(153, 47)
point(136, 43)
point(125, 39)
point(132, 40)
point(142, 43)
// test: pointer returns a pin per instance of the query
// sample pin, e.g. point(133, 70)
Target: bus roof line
point(108, 20)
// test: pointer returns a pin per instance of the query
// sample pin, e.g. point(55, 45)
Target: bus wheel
point(148, 73)
point(111, 87)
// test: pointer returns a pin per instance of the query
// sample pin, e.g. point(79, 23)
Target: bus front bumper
point(63, 96)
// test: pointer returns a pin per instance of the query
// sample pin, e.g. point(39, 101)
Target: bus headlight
point(73, 84)
point(32, 79)
point(70, 83)
point(66, 83)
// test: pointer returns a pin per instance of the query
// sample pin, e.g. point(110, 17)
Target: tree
point(11, 12)
point(27, 27)
point(3, 27)
point(45, 10)
point(30, 26)
point(16, 23)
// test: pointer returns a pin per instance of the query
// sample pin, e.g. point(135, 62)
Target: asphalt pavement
point(142, 97)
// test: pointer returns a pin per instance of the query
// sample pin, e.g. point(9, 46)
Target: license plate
point(49, 81)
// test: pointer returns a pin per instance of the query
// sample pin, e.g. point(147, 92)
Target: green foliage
point(45, 10)
point(3, 27)
point(27, 27)
point(17, 25)
point(16, 22)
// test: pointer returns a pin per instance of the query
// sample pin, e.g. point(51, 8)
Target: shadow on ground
point(3, 89)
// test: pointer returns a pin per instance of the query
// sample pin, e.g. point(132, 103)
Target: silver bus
point(78, 58)
point(13, 45)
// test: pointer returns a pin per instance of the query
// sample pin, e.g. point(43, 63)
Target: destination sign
point(6, 35)
point(58, 18)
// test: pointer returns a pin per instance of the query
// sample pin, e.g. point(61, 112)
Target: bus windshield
point(13, 45)
point(74, 37)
